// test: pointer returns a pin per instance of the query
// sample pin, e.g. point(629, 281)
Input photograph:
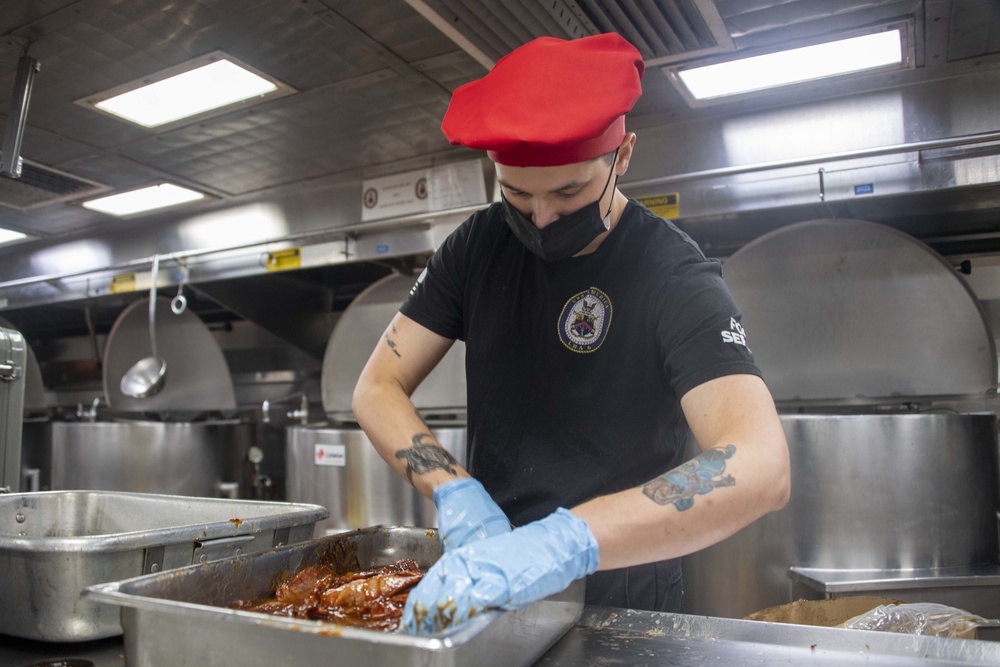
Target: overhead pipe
point(10, 158)
point(338, 233)
point(892, 149)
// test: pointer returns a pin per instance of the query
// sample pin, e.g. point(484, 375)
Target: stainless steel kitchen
point(243, 379)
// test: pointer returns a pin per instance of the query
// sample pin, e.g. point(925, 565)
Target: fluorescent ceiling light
point(198, 88)
point(7, 235)
point(145, 199)
point(782, 68)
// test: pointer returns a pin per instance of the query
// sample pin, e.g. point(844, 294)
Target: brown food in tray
point(373, 599)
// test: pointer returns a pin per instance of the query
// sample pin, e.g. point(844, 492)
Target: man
point(598, 338)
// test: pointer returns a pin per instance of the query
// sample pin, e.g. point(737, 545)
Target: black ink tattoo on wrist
point(390, 342)
point(424, 457)
point(696, 477)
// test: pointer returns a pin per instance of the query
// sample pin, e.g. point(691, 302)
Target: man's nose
point(542, 214)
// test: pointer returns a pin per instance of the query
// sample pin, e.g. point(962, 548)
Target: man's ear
point(625, 153)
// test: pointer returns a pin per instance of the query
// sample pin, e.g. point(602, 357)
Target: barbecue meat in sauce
point(373, 599)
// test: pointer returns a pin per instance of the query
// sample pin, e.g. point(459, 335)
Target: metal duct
point(39, 185)
point(663, 31)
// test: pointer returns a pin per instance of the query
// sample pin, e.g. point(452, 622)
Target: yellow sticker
point(665, 206)
point(123, 282)
point(282, 260)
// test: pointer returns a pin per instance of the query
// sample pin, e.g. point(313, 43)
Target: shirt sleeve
point(699, 327)
point(436, 299)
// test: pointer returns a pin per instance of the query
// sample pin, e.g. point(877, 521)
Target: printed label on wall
point(423, 190)
point(396, 195)
point(281, 260)
point(123, 282)
point(665, 206)
point(331, 455)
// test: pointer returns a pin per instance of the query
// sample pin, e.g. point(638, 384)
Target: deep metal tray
point(53, 544)
point(179, 617)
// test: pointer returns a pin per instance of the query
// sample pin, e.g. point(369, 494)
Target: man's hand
point(467, 514)
point(506, 571)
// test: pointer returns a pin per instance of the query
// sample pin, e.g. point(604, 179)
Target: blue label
point(865, 189)
point(381, 249)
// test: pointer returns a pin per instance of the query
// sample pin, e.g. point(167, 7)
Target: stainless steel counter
point(608, 637)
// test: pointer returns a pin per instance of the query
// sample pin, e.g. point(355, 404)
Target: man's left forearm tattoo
point(423, 457)
point(696, 477)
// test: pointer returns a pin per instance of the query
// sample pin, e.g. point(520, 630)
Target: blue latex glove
point(466, 513)
point(502, 572)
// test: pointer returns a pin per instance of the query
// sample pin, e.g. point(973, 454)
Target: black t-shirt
point(575, 368)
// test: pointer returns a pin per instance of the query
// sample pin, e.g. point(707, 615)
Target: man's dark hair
point(609, 158)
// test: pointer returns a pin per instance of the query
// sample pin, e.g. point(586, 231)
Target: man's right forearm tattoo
point(702, 474)
point(423, 457)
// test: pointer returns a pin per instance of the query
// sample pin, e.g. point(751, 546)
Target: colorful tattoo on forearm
point(390, 342)
point(696, 477)
point(423, 457)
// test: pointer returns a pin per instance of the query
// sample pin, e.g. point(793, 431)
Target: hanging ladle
point(179, 303)
point(146, 377)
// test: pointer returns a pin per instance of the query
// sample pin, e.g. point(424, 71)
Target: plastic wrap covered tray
point(180, 617)
point(53, 544)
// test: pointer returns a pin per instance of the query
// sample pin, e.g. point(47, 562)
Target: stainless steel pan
point(55, 543)
point(180, 617)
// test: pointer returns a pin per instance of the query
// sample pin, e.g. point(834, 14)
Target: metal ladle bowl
point(146, 377)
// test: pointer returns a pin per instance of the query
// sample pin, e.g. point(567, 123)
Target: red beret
point(549, 102)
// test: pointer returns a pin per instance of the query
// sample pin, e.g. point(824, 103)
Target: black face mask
point(565, 236)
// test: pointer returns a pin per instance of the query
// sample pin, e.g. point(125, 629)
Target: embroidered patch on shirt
point(584, 322)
